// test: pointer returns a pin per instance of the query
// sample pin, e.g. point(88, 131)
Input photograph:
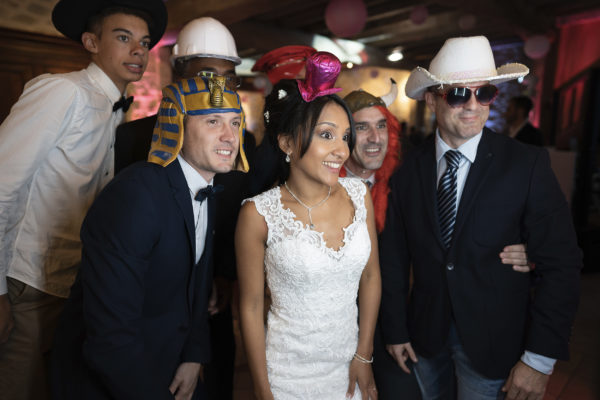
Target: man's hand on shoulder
point(401, 353)
point(525, 383)
point(6, 319)
point(185, 380)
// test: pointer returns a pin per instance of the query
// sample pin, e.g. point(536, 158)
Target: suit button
point(449, 266)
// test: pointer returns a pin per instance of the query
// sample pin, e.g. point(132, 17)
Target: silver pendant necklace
point(309, 209)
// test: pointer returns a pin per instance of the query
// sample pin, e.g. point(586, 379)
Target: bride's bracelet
point(363, 360)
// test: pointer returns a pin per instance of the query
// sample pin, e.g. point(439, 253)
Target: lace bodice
point(312, 329)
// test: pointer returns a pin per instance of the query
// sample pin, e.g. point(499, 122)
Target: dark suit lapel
point(427, 166)
point(210, 224)
point(475, 180)
point(181, 193)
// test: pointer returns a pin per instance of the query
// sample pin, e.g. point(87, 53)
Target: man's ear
point(89, 41)
point(430, 101)
point(286, 144)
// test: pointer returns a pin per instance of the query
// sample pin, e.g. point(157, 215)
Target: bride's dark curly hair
point(286, 113)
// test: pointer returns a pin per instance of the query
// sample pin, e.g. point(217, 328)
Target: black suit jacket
point(132, 141)
point(139, 306)
point(530, 134)
point(510, 196)
point(132, 144)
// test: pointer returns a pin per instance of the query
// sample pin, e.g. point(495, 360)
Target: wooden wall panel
point(24, 56)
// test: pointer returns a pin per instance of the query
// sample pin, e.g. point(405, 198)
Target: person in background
point(56, 154)
point(517, 121)
point(286, 62)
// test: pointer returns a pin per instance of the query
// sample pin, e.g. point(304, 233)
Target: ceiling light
point(349, 65)
point(395, 55)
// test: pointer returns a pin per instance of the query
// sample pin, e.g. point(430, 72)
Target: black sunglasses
point(459, 96)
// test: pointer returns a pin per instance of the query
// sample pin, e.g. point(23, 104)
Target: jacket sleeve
point(394, 262)
point(551, 243)
point(118, 236)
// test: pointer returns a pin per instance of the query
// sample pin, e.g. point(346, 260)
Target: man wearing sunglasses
point(469, 322)
point(205, 47)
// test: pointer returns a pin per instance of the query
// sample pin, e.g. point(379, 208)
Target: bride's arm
point(369, 295)
point(250, 238)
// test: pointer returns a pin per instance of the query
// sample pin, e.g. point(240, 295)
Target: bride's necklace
point(309, 209)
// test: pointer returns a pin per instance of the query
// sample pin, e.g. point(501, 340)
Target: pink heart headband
point(322, 70)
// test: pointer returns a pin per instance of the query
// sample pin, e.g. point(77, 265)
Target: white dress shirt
point(56, 154)
point(469, 151)
point(196, 182)
point(370, 181)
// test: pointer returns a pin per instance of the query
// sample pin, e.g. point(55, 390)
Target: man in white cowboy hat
point(454, 203)
point(56, 155)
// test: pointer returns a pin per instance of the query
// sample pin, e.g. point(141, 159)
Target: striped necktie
point(446, 196)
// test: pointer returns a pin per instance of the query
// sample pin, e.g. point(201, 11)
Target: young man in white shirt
point(56, 156)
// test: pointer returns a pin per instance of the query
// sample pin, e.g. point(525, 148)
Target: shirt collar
point(467, 149)
point(193, 178)
point(351, 174)
point(104, 82)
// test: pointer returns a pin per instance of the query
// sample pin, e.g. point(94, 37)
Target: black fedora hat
point(70, 17)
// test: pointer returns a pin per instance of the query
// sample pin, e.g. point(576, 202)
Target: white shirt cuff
point(540, 363)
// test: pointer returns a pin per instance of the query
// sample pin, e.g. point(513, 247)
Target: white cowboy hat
point(462, 60)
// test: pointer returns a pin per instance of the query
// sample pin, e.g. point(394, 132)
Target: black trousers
point(218, 374)
point(392, 383)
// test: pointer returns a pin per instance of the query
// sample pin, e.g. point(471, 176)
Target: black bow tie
point(123, 103)
point(208, 191)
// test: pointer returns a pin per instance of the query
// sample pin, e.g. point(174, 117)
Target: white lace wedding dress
point(312, 327)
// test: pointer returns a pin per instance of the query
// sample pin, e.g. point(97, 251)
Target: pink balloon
point(536, 46)
point(346, 18)
point(419, 14)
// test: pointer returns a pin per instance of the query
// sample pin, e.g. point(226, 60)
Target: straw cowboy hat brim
point(462, 60)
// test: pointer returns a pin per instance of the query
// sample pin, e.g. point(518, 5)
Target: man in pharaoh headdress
point(136, 323)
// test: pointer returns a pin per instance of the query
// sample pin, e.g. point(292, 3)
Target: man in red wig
point(376, 152)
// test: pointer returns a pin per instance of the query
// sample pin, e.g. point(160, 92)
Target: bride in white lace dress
point(312, 237)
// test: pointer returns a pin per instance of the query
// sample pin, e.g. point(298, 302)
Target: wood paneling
point(24, 56)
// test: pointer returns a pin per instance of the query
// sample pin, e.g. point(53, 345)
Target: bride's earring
point(287, 158)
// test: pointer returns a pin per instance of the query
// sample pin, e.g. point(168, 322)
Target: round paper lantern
point(346, 18)
point(419, 14)
point(536, 46)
